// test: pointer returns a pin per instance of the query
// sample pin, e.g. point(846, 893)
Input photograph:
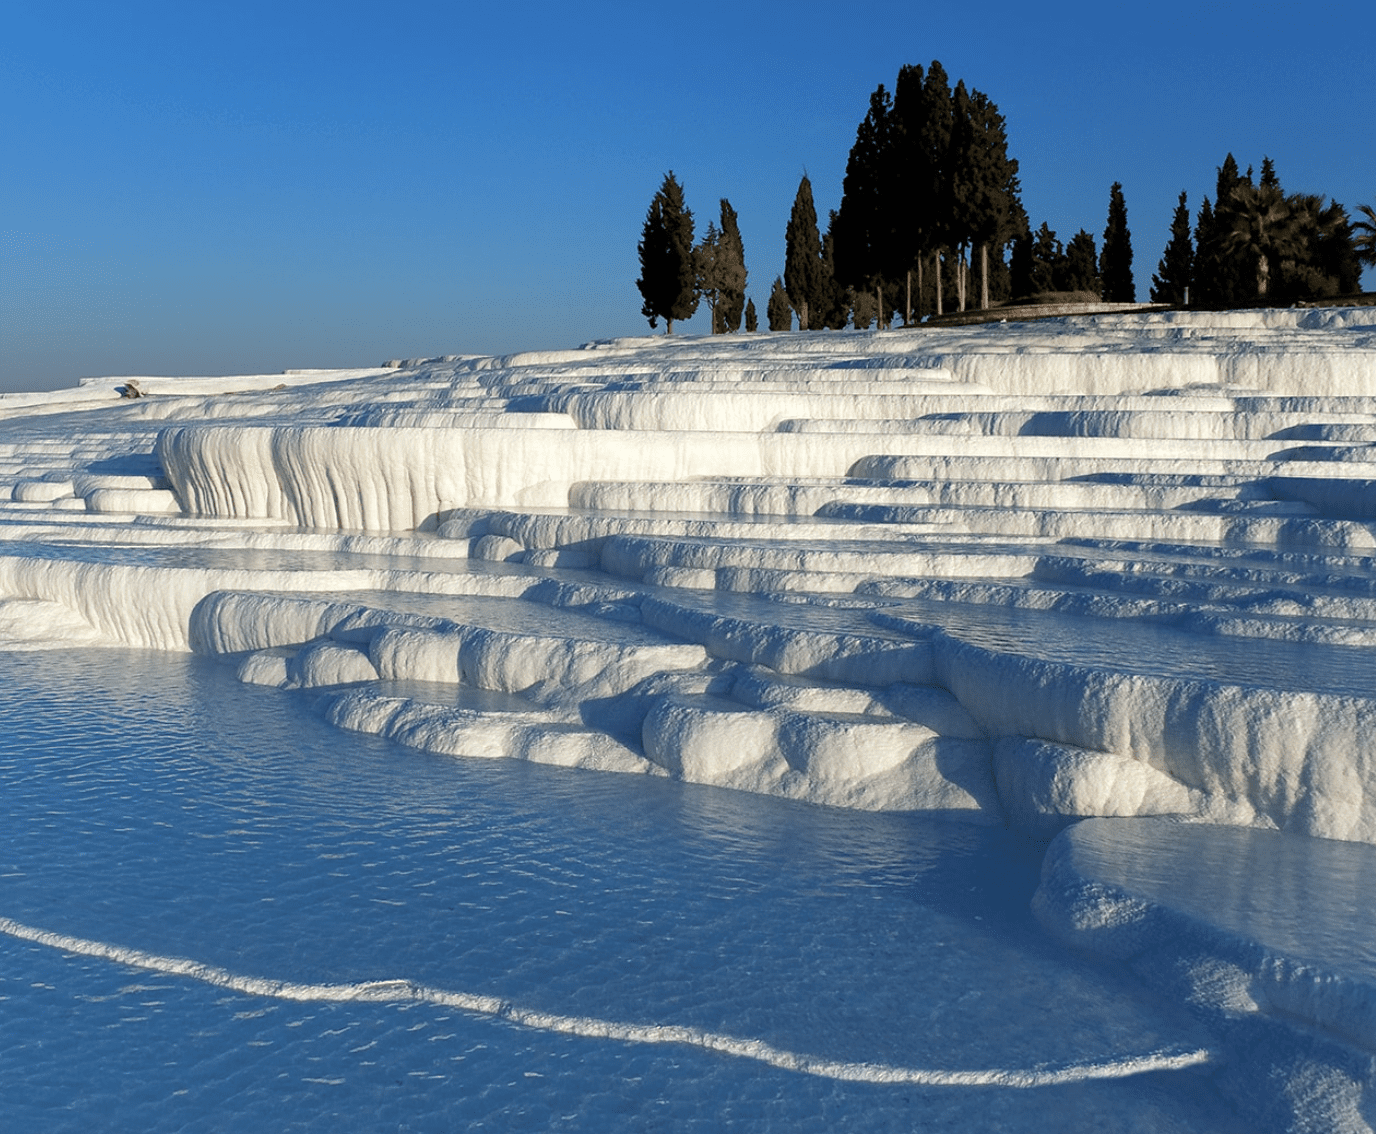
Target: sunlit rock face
point(1016, 573)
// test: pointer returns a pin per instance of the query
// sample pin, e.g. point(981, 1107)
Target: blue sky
point(226, 188)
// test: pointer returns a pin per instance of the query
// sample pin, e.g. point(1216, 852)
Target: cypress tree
point(929, 173)
point(1236, 280)
point(1079, 271)
point(933, 144)
point(1115, 262)
point(1047, 257)
point(778, 311)
point(668, 278)
point(994, 208)
point(707, 268)
point(1022, 267)
point(1204, 290)
point(838, 296)
point(1223, 278)
point(962, 184)
point(803, 261)
point(1229, 179)
point(911, 188)
point(752, 321)
point(731, 254)
point(719, 261)
point(862, 236)
point(1176, 271)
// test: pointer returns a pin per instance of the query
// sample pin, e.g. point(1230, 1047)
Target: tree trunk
point(960, 280)
point(919, 289)
point(908, 310)
point(668, 326)
point(936, 262)
point(984, 277)
point(1263, 275)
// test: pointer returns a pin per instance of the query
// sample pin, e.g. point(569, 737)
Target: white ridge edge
point(1165, 1059)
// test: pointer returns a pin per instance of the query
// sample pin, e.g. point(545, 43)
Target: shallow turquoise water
point(151, 803)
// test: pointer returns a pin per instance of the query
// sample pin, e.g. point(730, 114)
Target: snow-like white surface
point(1097, 476)
point(1018, 573)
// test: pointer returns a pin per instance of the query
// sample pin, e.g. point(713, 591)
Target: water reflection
point(1306, 898)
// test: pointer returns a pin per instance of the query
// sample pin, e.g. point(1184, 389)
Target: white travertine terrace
point(1131, 553)
point(1026, 573)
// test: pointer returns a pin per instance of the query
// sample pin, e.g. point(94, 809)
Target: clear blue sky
point(199, 188)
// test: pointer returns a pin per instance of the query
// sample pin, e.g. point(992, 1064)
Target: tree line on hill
point(1256, 243)
point(931, 201)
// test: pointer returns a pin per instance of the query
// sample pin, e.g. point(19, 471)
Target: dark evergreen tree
point(668, 278)
point(1047, 255)
point(928, 180)
point(995, 206)
point(807, 291)
point(934, 144)
point(838, 296)
point(1000, 279)
point(862, 232)
point(911, 192)
point(1223, 278)
point(1079, 270)
point(707, 269)
point(1115, 262)
point(962, 184)
point(731, 254)
point(719, 260)
point(1268, 179)
point(752, 321)
point(1022, 267)
point(1207, 266)
point(778, 310)
point(1174, 274)
point(1237, 280)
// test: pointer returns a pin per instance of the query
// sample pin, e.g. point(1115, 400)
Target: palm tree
point(1325, 261)
point(1365, 239)
point(1264, 227)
